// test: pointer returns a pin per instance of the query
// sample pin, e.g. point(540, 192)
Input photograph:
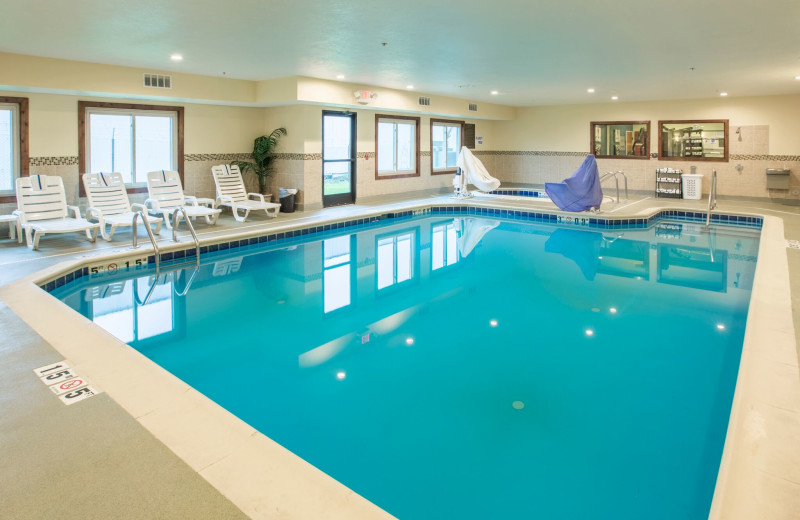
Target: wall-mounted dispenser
point(778, 179)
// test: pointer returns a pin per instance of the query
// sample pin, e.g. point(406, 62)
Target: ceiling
point(533, 52)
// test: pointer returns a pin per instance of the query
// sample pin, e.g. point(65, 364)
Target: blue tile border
point(592, 222)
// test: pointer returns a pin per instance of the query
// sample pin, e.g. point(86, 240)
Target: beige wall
point(566, 127)
point(53, 125)
point(78, 76)
point(303, 124)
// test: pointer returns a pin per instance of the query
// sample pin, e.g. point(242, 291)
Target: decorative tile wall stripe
point(425, 153)
point(218, 157)
point(534, 216)
point(743, 157)
point(54, 161)
point(531, 152)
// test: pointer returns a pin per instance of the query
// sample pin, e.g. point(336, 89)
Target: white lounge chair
point(108, 201)
point(42, 209)
point(231, 192)
point(166, 194)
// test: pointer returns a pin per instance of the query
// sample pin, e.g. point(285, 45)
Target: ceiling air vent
point(424, 101)
point(473, 107)
point(157, 80)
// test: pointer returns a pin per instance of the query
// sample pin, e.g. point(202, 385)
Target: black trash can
point(287, 200)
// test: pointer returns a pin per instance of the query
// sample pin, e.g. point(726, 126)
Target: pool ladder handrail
point(146, 223)
point(175, 222)
point(712, 197)
point(615, 175)
point(172, 268)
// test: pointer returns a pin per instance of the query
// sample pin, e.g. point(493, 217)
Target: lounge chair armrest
point(21, 216)
point(224, 198)
point(138, 207)
point(152, 204)
point(190, 199)
point(96, 213)
point(75, 210)
point(257, 196)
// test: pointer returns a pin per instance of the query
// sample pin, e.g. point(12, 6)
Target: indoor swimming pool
point(466, 366)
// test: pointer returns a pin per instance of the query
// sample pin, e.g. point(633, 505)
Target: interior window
point(396, 146)
point(13, 156)
point(445, 145)
point(131, 143)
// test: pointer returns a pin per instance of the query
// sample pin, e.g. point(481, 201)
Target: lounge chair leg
point(91, 234)
point(29, 237)
point(36, 236)
point(158, 227)
point(107, 235)
point(237, 216)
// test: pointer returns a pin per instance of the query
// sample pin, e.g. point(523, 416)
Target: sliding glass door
point(338, 158)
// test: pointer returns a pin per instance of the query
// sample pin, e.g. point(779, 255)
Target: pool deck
point(149, 446)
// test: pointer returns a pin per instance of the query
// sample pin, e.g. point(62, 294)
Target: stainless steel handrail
point(712, 197)
point(175, 223)
point(614, 174)
point(146, 223)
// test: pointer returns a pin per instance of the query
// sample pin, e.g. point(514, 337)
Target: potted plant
point(263, 154)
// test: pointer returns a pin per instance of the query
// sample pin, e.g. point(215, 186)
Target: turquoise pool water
point(467, 367)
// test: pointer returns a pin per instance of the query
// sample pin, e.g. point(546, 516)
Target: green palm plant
point(264, 155)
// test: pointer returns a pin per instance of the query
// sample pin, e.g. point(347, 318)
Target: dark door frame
point(340, 198)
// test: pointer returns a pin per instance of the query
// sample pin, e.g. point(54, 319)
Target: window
point(13, 144)
point(396, 146)
point(395, 259)
point(444, 245)
point(445, 145)
point(130, 139)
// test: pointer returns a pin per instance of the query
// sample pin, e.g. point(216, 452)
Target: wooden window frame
point(24, 157)
point(416, 172)
point(726, 131)
point(83, 105)
point(448, 171)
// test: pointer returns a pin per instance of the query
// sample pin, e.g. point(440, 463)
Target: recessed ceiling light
point(797, 77)
point(175, 57)
point(341, 375)
point(590, 90)
point(410, 87)
point(589, 332)
point(614, 98)
point(723, 94)
point(494, 92)
point(340, 76)
point(409, 341)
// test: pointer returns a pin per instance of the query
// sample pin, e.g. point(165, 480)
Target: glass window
point(396, 146)
point(444, 246)
point(395, 259)
point(131, 142)
point(445, 145)
point(9, 146)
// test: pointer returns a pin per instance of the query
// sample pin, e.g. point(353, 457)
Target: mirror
point(696, 140)
point(620, 139)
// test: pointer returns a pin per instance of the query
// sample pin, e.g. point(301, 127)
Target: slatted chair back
point(41, 197)
point(106, 192)
point(165, 187)
point(229, 182)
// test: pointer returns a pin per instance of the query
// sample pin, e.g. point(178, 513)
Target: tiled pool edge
point(728, 500)
point(755, 476)
point(186, 250)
